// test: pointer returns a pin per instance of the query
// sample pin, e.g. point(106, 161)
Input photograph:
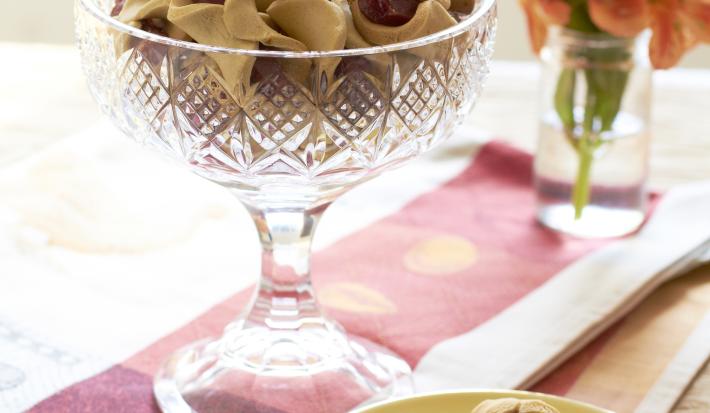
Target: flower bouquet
point(587, 100)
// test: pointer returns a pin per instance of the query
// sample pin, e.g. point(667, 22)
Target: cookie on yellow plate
point(511, 405)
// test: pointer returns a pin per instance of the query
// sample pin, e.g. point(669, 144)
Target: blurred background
point(50, 21)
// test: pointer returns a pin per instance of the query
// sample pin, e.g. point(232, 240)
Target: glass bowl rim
point(479, 14)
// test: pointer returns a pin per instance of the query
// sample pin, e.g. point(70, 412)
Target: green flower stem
point(604, 89)
point(604, 79)
point(581, 192)
point(586, 145)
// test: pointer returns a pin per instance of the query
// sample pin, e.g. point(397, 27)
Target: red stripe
point(491, 204)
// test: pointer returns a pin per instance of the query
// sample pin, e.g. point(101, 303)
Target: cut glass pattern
point(332, 135)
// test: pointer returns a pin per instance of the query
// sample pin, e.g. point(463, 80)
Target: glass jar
point(591, 164)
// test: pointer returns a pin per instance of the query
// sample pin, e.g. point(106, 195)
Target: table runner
point(441, 276)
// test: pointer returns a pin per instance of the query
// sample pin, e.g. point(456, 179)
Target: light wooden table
point(43, 99)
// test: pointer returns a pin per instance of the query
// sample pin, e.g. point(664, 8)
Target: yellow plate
point(464, 402)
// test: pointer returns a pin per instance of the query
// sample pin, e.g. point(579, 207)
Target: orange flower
point(671, 38)
point(554, 11)
point(695, 15)
point(624, 18)
point(677, 25)
point(537, 29)
point(542, 13)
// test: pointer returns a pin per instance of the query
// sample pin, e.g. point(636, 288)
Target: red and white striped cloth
point(109, 261)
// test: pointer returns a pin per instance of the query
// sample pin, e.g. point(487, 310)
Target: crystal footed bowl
point(286, 138)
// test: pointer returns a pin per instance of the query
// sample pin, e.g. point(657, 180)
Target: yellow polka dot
point(440, 255)
point(355, 298)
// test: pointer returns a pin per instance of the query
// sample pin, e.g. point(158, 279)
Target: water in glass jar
point(617, 203)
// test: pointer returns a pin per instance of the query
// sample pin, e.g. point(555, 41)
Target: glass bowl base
point(276, 372)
